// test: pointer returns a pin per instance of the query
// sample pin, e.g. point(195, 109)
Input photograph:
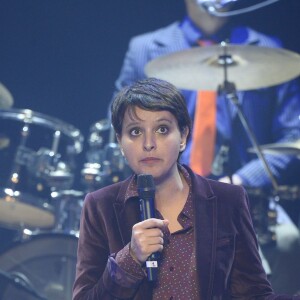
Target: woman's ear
point(119, 142)
point(184, 135)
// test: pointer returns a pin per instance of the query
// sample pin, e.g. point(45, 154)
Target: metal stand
point(21, 287)
point(264, 234)
point(228, 88)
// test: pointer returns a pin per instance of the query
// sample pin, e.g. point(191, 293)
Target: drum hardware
point(287, 192)
point(19, 210)
point(46, 164)
point(68, 205)
point(260, 208)
point(105, 162)
point(21, 285)
point(92, 176)
point(96, 175)
point(34, 118)
point(287, 148)
point(250, 67)
point(227, 61)
point(220, 164)
point(46, 261)
point(45, 170)
point(264, 215)
point(97, 129)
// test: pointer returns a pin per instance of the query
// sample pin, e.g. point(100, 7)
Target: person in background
point(272, 113)
point(202, 228)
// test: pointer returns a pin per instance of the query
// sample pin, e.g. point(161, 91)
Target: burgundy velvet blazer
point(228, 263)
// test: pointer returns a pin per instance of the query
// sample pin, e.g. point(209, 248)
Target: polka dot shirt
point(177, 264)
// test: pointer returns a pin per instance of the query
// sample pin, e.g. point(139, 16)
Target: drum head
point(47, 261)
point(24, 210)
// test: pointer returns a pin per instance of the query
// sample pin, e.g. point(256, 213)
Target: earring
point(182, 147)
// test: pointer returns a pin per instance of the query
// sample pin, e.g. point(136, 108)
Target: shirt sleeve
point(124, 269)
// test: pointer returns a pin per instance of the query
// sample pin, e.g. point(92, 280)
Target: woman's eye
point(163, 130)
point(135, 131)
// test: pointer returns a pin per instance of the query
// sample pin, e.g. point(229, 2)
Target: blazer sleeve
point(97, 274)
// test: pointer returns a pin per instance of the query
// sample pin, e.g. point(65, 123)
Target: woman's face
point(151, 142)
point(208, 23)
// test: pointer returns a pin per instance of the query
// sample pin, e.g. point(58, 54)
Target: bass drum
point(44, 264)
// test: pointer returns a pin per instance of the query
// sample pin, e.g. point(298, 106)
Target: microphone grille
point(145, 182)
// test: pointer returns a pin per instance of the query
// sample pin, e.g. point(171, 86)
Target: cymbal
point(6, 99)
point(248, 67)
point(288, 148)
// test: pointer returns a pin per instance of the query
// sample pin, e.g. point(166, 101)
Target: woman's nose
point(149, 142)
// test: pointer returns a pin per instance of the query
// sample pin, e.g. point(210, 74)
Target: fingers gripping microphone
point(146, 191)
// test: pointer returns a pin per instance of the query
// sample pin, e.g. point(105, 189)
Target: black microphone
point(146, 191)
point(212, 6)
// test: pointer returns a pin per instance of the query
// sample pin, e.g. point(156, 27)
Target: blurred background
point(61, 57)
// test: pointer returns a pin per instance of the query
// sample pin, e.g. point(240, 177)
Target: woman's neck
point(170, 198)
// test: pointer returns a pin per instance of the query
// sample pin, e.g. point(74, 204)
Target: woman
point(202, 228)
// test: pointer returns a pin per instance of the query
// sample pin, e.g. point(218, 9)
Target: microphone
point(212, 5)
point(146, 192)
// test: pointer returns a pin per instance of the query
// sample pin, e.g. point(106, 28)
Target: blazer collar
point(126, 214)
point(170, 36)
point(205, 205)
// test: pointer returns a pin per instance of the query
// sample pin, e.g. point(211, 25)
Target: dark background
point(61, 57)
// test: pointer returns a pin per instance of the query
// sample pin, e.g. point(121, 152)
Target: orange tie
point(204, 133)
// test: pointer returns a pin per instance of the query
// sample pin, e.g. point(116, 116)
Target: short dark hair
point(154, 95)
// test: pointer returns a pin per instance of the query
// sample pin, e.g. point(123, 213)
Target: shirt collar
point(132, 188)
point(190, 31)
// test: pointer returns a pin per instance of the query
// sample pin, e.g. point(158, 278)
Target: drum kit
point(34, 196)
point(39, 210)
point(38, 163)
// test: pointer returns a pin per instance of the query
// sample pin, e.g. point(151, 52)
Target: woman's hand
point(147, 238)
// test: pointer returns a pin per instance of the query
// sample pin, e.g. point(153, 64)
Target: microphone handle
point(147, 211)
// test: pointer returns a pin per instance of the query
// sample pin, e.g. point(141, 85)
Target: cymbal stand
point(228, 88)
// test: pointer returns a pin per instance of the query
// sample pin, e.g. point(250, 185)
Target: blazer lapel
point(205, 203)
point(167, 40)
point(127, 215)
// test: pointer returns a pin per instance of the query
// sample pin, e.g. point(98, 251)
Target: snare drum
point(46, 262)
